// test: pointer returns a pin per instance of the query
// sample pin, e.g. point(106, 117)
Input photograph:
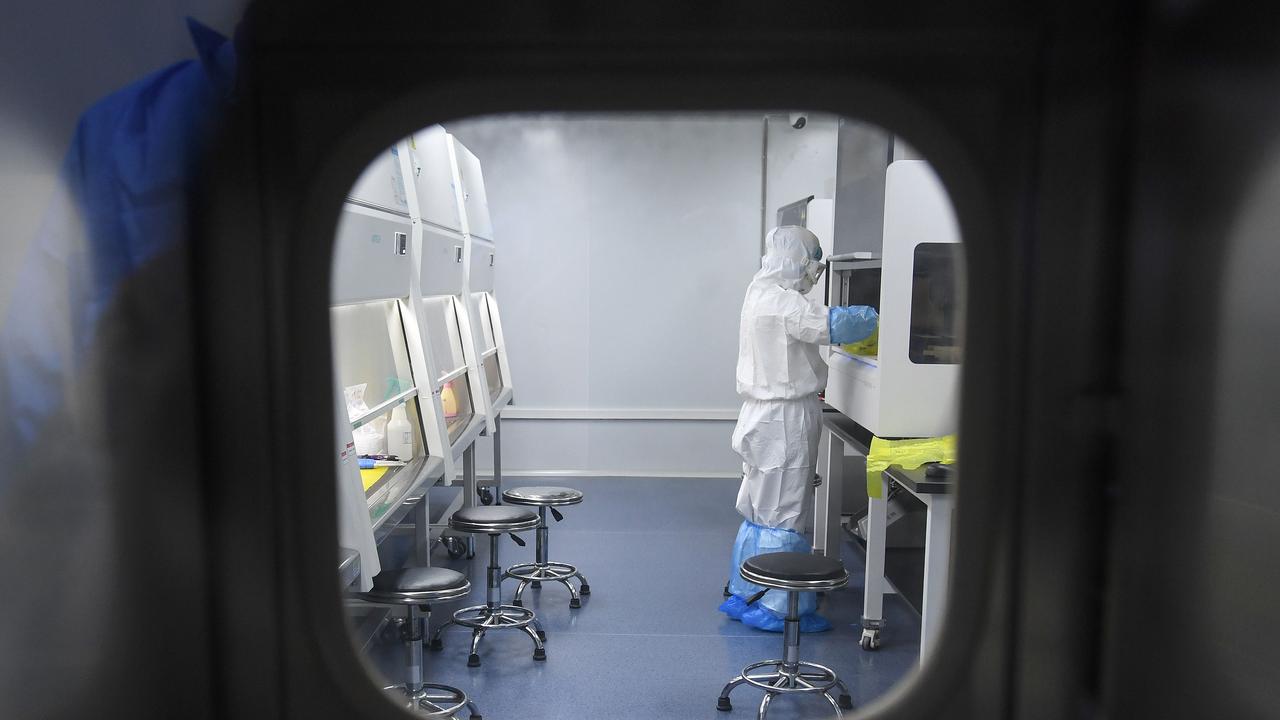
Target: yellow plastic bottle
point(449, 400)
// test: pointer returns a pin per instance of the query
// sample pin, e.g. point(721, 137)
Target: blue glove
point(851, 323)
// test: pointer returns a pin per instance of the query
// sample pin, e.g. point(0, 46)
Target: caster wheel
point(845, 702)
point(542, 636)
point(486, 496)
point(540, 654)
point(575, 603)
point(477, 717)
point(518, 603)
point(586, 589)
point(726, 590)
point(435, 645)
point(473, 660)
point(723, 705)
point(535, 585)
point(456, 547)
point(870, 640)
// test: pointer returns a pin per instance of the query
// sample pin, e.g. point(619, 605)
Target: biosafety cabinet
point(377, 399)
point(438, 285)
point(482, 258)
point(907, 386)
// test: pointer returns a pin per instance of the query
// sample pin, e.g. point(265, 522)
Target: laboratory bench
point(919, 573)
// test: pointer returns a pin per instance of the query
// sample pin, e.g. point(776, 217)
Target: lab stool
point(794, 573)
point(493, 520)
point(415, 588)
point(535, 573)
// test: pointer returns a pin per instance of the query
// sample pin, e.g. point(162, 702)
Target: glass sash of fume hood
point(855, 279)
point(370, 350)
point(444, 342)
point(490, 357)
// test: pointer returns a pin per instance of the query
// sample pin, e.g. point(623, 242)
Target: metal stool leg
point(438, 701)
point(764, 702)
point(790, 674)
point(473, 660)
point(518, 602)
point(493, 615)
point(791, 634)
point(723, 703)
point(542, 538)
point(532, 575)
point(846, 700)
point(413, 635)
point(436, 644)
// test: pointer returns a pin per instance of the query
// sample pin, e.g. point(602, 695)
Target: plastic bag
point(768, 612)
point(909, 454)
point(370, 438)
point(868, 346)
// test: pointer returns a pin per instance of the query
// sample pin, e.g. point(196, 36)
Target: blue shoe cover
point(762, 618)
point(734, 606)
point(814, 623)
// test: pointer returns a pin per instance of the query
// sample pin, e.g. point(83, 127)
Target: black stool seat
point(795, 571)
point(493, 519)
point(418, 585)
point(542, 496)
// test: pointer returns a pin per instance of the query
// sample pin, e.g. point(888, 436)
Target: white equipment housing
point(370, 296)
point(442, 345)
point(482, 309)
point(910, 389)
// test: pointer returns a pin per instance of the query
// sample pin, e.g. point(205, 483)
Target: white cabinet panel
point(474, 198)
point(443, 263)
point(433, 177)
point(371, 256)
point(483, 259)
point(382, 184)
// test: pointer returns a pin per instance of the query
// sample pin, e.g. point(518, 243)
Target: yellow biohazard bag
point(869, 345)
point(910, 454)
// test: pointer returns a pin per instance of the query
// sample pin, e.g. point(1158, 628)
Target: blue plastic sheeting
point(768, 612)
point(851, 323)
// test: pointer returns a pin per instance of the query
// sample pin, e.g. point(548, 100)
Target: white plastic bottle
point(400, 435)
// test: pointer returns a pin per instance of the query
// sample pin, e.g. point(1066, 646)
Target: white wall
point(624, 249)
point(800, 162)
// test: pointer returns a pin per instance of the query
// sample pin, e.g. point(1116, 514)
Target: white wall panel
point(627, 246)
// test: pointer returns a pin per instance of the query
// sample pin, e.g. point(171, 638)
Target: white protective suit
point(779, 375)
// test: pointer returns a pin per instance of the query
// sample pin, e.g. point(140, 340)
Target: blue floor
point(648, 642)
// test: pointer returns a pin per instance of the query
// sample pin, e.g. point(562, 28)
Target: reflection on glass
point(384, 486)
point(486, 320)
point(443, 337)
point(933, 305)
point(493, 376)
point(455, 396)
point(369, 349)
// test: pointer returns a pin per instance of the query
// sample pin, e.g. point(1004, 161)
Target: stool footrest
point(432, 700)
point(550, 571)
point(485, 617)
point(806, 678)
